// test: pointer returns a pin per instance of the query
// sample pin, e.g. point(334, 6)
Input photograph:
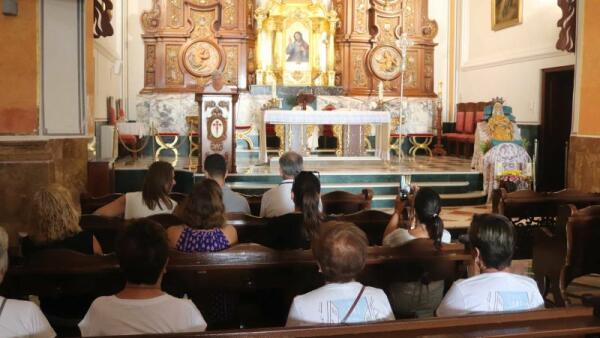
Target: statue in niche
point(297, 49)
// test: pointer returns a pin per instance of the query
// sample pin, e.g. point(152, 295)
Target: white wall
point(439, 11)
point(508, 63)
point(108, 61)
point(134, 64)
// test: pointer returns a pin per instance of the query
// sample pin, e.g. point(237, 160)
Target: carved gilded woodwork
point(203, 22)
point(175, 13)
point(174, 74)
point(568, 25)
point(296, 43)
point(150, 65)
point(230, 73)
point(360, 75)
point(186, 40)
point(230, 13)
point(151, 18)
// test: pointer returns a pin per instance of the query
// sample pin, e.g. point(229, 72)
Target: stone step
point(379, 188)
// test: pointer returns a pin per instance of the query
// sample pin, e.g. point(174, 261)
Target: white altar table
point(338, 118)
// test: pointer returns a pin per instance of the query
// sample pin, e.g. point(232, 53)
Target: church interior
point(295, 168)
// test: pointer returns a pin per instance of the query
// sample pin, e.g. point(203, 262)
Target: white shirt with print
point(23, 319)
point(329, 304)
point(491, 292)
point(112, 316)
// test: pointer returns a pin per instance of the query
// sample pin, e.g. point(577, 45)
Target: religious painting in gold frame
point(506, 13)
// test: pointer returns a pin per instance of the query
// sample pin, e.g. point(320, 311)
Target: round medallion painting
point(384, 62)
point(201, 58)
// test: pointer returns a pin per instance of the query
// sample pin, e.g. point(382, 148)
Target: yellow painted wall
point(19, 70)
point(589, 106)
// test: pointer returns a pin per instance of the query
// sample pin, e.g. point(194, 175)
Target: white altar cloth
point(345, 117)
point(381, 120)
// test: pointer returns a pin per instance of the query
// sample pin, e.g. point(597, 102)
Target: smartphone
point(404, 189)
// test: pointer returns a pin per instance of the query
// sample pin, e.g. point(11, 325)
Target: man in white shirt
point(278, 200)
point(19, 318)
point(215, 168)
point(141, 307)
point(495, 289)
point(341, 253)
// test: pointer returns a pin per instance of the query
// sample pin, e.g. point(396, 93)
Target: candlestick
point(274, 88)
point(380, 91)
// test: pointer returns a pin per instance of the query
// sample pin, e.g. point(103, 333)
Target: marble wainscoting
point(419, 111)
point(168, 111)
point(584, 161)
point(26, 166)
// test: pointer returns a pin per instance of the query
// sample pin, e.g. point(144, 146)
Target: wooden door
point(555, 129)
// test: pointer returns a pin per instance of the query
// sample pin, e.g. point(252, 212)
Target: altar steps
point(456, 189)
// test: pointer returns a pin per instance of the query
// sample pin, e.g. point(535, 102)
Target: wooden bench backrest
point(372, 222)
point(570, 322)
point(89, 204)
point(342, 202)
point(583, 236)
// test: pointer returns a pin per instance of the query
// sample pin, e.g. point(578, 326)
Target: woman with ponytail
point(423, 297)
point(296, 230)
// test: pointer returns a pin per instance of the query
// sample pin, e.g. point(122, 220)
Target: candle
point(274, 88)
point(380, 91)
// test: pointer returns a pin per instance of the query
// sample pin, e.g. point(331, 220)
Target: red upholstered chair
point(454, 138)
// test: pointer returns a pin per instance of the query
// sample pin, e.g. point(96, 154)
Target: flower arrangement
point(513, 179)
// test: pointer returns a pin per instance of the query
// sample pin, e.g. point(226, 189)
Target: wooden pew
point(342, 202)
point(89, 203)
point(261, 282)
point(372, 222)
point(568, 252)
point(560, 322)
point(104, 228)
point(530, 210)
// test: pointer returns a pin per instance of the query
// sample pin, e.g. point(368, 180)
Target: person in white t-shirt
point(491, 238)
point(341, 252)
point(278, 200)
point(153, 199)
point(141, 307)
point(19, 318)
point(421, 297)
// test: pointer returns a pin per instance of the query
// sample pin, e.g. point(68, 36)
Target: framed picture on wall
point(506, 13)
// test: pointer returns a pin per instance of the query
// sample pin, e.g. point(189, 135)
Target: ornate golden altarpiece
point(253, 42)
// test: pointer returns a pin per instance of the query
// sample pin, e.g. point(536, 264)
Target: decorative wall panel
point(369, 24)
point(187, 40)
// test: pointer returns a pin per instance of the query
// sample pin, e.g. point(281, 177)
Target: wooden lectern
point(216, 132)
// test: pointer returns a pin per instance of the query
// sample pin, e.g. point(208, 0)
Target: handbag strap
point(2, 306)
point(353, 305)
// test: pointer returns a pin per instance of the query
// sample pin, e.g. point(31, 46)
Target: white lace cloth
point(510, 155)
point(344, 117)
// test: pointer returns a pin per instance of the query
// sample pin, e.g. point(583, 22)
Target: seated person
point(19, 318)
point(204, 215)
point(215, 168)
point(423, 297)
point(153, 199)
point(141, 307)
point(54, 224)
point(296, 230)
point(491, 239)
point(278, 201)
point(341, 252)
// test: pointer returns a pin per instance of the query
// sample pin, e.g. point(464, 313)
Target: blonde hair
point(54, 215)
